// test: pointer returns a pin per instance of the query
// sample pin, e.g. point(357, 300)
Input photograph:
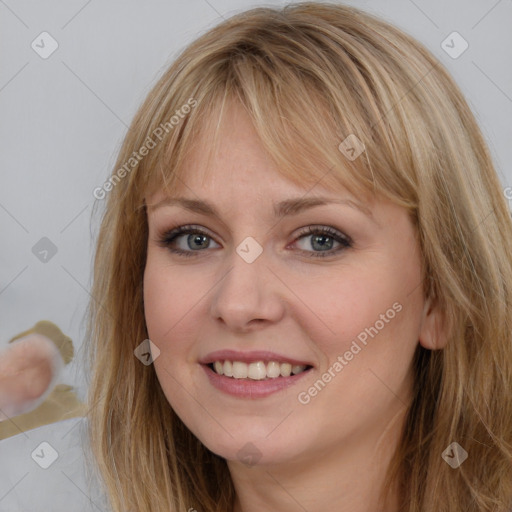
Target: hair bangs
point(311, 138)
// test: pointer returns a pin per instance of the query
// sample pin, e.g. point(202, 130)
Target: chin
point(251, 444)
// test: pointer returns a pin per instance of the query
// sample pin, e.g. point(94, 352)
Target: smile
point(258, 370)
point(253, 374)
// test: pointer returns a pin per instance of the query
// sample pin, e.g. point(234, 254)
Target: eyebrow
point(282, 209)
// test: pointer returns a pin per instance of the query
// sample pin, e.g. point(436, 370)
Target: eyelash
point(170, 236)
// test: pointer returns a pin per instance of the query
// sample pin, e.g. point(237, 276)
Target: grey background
point(63, 119)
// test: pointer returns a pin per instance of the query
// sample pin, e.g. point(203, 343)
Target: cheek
point(368, 316)
point(167, 301)
point(168, 297)
point(342, 306)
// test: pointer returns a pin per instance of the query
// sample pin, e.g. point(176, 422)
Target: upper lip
point(250, 357)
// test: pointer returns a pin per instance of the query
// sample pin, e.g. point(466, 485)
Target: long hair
point(310, 75)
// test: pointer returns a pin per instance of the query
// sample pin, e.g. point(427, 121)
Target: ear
point(434, 329)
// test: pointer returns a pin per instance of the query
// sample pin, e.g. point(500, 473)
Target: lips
point(252, 374)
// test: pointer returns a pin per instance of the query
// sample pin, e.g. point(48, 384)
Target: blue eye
point(195, 237)
point(322, 238)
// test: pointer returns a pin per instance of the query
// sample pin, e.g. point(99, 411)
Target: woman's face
point(255, 295)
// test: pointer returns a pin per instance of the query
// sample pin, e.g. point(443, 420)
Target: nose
point(248, 295)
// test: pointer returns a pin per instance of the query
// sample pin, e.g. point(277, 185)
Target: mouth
point(252, 375)
point(258, 370)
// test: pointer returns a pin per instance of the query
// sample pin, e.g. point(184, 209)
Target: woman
point(305, 221)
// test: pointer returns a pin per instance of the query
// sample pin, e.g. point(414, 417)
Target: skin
point(332, 453)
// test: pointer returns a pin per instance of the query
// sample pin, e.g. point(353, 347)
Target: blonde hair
point(309, 75)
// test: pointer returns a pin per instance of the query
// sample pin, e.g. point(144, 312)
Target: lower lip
point(247, 388)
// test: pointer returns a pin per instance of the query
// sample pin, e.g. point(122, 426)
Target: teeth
point(286, 369)
point(256, 371)
point(228, 369)
point(273, 370)
point(240, 370)
point(297, 368)
point(219, 367)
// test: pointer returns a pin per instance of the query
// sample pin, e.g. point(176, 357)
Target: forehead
point(229, 173)
point(228, 156)
point(239, 173)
